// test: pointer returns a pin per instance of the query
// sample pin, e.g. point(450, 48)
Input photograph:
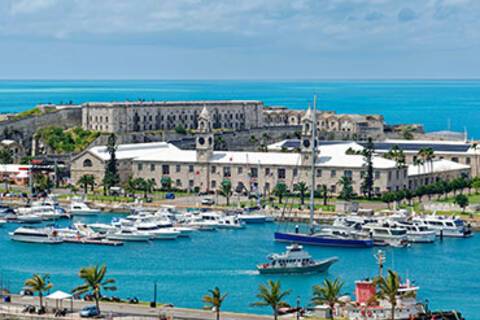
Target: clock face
point(306, 143)
point(201, 141)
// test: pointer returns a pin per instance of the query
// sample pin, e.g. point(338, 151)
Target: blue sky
point(239, 39)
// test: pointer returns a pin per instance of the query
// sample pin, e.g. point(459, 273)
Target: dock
point(101, 242)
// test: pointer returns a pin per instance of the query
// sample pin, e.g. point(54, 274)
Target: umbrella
point(60, 296)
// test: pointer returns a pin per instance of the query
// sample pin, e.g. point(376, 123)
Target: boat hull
point(321, 266)
point(321, 241)
point(27, 239)
point(84, 213)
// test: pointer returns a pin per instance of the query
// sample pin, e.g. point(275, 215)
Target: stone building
point(203, 169)
point(166, 115)
point(330, 125)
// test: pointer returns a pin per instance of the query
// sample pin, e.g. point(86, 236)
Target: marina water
point(184, 269)
point(439, 104)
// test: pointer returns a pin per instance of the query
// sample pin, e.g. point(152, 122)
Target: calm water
point(185, 269)
point(433, 103)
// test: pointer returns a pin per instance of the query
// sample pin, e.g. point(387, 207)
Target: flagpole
point(314, 154)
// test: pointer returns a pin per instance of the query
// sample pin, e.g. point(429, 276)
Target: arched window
point(87, 163)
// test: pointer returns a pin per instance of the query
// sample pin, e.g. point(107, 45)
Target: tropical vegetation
point(327, 293)
point(94, 282)
point(226, 190)
point(214, 300)
point(388, 289)
point(39, 283)
point(66, 140)
point(271, 295)
point(111, 177)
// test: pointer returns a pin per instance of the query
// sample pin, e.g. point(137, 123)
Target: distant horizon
point(240, 79)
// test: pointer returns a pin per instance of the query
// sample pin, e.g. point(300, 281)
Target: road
point(130, 310)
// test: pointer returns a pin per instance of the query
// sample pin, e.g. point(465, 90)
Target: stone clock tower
point(204, 143)
point(306, 141)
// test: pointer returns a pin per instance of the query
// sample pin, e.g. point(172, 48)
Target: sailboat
point(332, 237)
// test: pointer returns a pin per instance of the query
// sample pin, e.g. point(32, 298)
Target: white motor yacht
point(101, 227)
point(385, 234)
point(444, 226)
point(36, 235)
point(28, 218)
point(417, 233)
point(128, 234)
point(2, 222)
point(80, 208)
point(230, 222)
point(252, 218)
point(156, 232)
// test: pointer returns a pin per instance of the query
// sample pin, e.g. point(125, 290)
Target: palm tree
point(226, 190)
point(214, 300)
point(86, 181)
point(327, 293)
point(325, 194)
point(149, 186)
point(302, 189)
point(388, 289)
point(93, 277)
point(40, 284)
point(271, 295)
point(280, 190)
point(347, 189)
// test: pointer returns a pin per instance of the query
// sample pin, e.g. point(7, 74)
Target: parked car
point(208, 202)
point(89, 312)
point(170, 196)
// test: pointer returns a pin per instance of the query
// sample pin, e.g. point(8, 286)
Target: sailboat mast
point(314, 156)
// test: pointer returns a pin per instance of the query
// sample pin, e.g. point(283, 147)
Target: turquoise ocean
point(437, 104)
point(184, 269)
point(447, 272)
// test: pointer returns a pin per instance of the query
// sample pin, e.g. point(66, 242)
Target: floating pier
point(102, 242)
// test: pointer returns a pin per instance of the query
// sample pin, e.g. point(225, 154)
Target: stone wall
point(22, 130)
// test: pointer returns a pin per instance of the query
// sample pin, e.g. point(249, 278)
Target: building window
point(253, 172)
point(455, 159)
point(140, 166)
point(333, 188)
point(214, 169)
point(87, 163)
point(152, 167)
point(267, 171)
point(191, 183)
point(348, 173)
point(333, 173)
point(467, 160)
point(227, 172)
point(214, 184)
point(239, 170)
point(165, 169)
point(178, 183)
point(281, 173)
point(389, 175)
point(178, 168)
point(377, 175)
point(295, 172)
point(319, 173)
point(190, 168)
point(398, 174)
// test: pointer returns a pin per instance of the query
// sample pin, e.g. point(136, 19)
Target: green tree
point(86, 181)
point(462, 201)
point(42, 182)
point(368, 180)
point(214, 300)
point(407, 132)
point(6, 156)
point(327, 293)
point(388, 198)
point(271, 295)
point(302, 188)
point(40, 284)
point(388, 289)
point(226, 190)
point(476, 184)
point(166, 183)
point(180, 129)
point(280, 190)
point(396, 154)
point(324, 190)
point(95, 282)
point(111, 178)
point(347, 189)
point(149, 187)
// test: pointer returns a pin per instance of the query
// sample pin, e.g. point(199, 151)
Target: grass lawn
point(472, 198)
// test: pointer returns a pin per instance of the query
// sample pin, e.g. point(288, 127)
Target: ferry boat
point(445, 226)
point(36, 235)
point(295, 260)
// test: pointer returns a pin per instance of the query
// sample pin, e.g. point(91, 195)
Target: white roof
point(330, 156)
point(440, 165)
point(131, 151)
point(59, 295)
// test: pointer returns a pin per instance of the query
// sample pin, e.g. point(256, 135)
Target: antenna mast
point(314, 156)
